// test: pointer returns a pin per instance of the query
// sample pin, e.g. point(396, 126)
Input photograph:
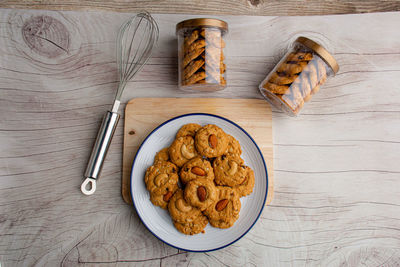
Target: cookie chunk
point(276, 89)
point(162, 177)
point(192, 228)
point(225, 210)
point(180, 210)
point(161, 199)
point(188, 130)
point(182, 150)
point(191, 68)
point(200, 193)
point(195, 78)
point(246, 187)
point(211, 141)
point(229, 170)
point(233, 146)
point(196, 168)
point(162, 155)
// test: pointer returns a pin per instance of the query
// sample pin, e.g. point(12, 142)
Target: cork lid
point(321, 51)
point(190, 23)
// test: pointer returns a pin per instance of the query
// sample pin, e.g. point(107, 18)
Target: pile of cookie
point(202, 57)
point(200, 178)
point(297, 78)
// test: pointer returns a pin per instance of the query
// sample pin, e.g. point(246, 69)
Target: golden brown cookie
point(229, 170)
point(196, 45)
point(192, 228)
point(315, 90)
point(211, 141)
point(196, 168)
point(182, 150)
point(200, 193)
point(275, 88)
point(193, 36)
point(281, 78)
point(291, 67)
point(233, 146)
point(213, 55)
point(162, 155)
point(162, 177)
point(246, 187)
point(225, 210)
point(213, 37)
point(191, 68)
point(312, 74)
point(180, 210)
point(161, 200)
point(195, 78)
point(189, 129)
point(213, 73)
point(191, 56)
point(300, 56)
point(302, 84)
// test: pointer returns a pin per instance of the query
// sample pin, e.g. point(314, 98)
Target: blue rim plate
point(158, 221)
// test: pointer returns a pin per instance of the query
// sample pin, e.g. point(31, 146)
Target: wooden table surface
point(337, 192)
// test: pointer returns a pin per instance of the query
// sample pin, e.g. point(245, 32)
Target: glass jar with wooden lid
point(201, 57)
point(298, 75)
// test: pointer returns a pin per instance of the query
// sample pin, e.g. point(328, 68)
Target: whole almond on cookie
point(221, 204)
point(198, 171)
point(167, 196)
point(201, 193)
point(212, 140)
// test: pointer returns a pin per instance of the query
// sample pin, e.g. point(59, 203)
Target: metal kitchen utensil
point(135, 42)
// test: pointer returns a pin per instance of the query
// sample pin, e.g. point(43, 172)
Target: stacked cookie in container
point(201, 54)
point(200, 178)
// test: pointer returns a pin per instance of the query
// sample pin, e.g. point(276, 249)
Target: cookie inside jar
point(201, 54)
point(298, 76)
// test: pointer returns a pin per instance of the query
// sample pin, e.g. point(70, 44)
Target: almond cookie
point(200, 193)
point(180, 210)
point(292, 67)
point(195, 78)
point(281, 78)
point(193, 36)
point(229, 170)
point(196, 168)
point(191, 56)
point(192, 68)
point(300, 56)
point(196, 45)
point(162, 155)
point(225, 210)
point(192, 228)
point(211, 141)
point(182, 150)
point(162, 177)
point(275, 88)
point(189, 129)
point(161, 200)
point(233, 146)
point(246, 187)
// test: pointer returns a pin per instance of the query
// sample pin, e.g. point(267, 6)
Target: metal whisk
point(135, 42)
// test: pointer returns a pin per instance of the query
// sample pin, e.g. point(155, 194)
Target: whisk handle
point(100, 149)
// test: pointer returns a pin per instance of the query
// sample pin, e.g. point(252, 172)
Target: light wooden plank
point(227, 7)
point(337, 199)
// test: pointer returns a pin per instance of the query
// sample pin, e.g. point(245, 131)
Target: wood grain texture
point(228, 7)
point(142, 115)
point(337, 194)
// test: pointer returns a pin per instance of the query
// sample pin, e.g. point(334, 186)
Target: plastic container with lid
point(201, 57)
point(298, 75)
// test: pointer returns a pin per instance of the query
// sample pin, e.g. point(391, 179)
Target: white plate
point(158, 220)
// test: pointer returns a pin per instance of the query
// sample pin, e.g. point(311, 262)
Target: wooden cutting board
point(142, 115)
